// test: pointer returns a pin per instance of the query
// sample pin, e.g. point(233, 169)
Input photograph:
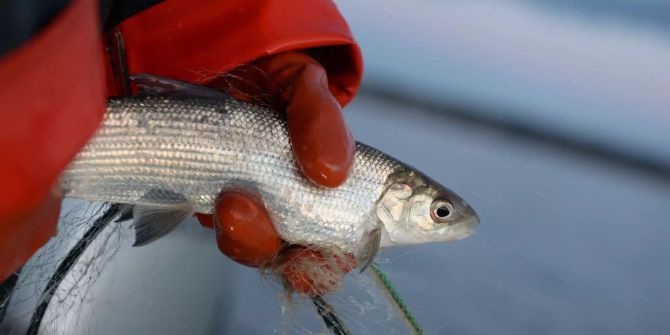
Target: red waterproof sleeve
point(51, 101)
point(194, 41)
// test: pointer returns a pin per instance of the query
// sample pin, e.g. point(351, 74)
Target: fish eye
point(441, 210)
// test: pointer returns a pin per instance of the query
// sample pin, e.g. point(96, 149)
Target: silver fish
point(172, 153)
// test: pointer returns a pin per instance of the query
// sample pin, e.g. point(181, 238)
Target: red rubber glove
point(244, 232)
point(298, 84)
point(321, 141)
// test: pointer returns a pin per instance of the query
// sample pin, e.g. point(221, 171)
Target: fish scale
point(195, 147)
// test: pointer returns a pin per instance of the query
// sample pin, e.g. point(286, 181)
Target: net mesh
point(82, 302)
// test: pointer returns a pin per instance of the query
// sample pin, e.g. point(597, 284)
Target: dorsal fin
point(148, 84)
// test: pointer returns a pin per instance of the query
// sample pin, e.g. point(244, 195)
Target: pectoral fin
point(370, 248)
point(154, 222)
point(126, 213)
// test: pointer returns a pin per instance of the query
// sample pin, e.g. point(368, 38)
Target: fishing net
point(183, 285)
point(360, 306)
point(47, 268)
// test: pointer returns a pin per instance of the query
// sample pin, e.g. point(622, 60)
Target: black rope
point(68, 263)
point(327, 313)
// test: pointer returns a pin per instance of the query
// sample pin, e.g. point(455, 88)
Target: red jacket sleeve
point(51, 102)
point(191, 41)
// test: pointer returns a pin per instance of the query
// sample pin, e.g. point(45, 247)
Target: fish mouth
point(473, 217)
point(469, 221)
point(472, 223)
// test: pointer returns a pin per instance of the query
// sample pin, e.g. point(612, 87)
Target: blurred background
point(552, 118)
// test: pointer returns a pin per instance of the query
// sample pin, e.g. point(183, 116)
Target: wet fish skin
point(176, 154)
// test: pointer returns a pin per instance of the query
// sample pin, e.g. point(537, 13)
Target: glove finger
point(206, 220)
point(244, 231)
point(321, 140)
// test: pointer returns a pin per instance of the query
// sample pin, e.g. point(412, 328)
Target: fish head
point(415, 209)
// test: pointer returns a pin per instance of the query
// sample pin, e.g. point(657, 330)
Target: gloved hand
point(321, 141)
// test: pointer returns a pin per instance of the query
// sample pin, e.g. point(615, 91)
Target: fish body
point(167, 154)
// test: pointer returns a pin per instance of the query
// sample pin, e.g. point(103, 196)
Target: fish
point(171, 150)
